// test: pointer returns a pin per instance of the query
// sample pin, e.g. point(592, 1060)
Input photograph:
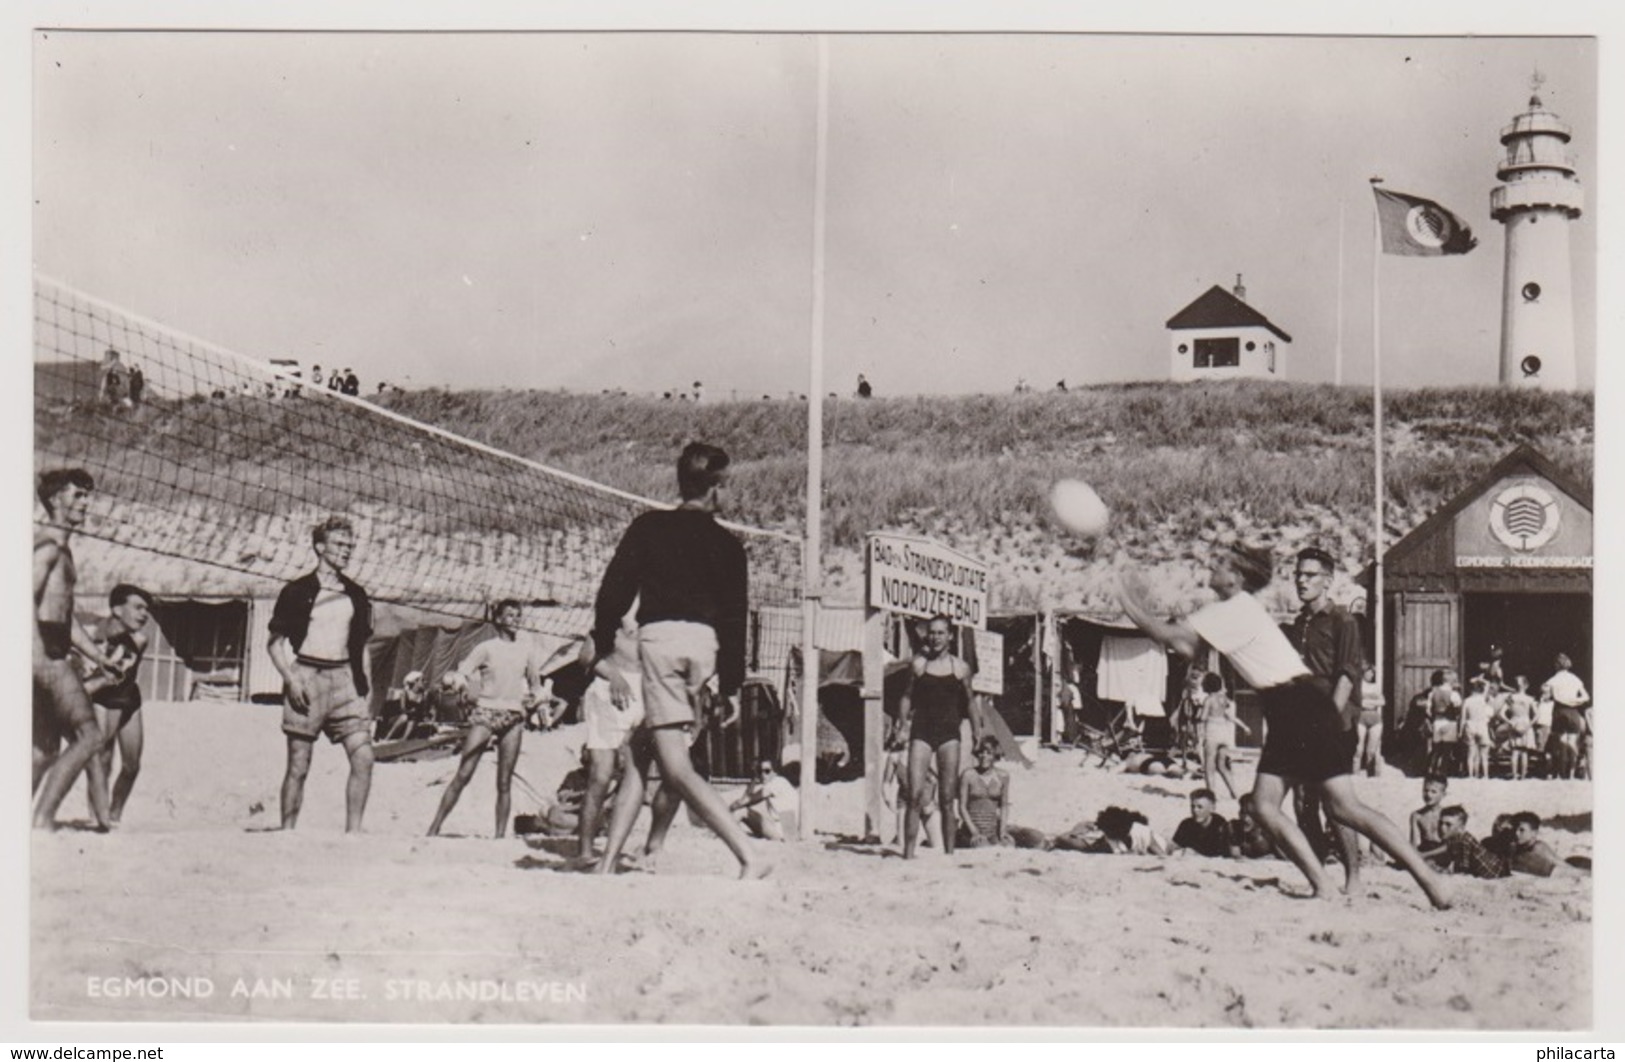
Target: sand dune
point(190, 911)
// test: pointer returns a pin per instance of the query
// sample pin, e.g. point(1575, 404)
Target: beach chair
point(1117, 741)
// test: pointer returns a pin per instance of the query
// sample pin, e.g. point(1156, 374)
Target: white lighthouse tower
point(1538, 197)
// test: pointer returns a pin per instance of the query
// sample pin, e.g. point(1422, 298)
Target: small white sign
point(989, 677)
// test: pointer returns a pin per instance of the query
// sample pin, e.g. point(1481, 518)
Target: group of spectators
point(1513, 845)
point(1497, 719)
point(122, 385)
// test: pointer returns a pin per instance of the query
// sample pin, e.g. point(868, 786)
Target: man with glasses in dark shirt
point(1328, 639)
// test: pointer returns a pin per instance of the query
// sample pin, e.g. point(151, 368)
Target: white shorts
point(608, 727)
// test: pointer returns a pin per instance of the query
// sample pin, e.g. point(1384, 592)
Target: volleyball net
point(212, 467)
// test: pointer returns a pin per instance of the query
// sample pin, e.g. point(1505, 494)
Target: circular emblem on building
point(1427, 226)
point(1524, 516)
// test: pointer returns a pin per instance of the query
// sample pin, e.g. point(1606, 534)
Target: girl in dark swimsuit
point(937, 701)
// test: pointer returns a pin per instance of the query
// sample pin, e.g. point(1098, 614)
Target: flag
point(1415, 226)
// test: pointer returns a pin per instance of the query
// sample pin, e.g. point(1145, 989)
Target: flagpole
point(1337, 377)
point(812, 563)
point(1375, 606)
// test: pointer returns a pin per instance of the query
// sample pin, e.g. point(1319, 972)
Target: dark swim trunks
point(939, 703)
point(1305, 740)
point(58, 639)
point(125, 694)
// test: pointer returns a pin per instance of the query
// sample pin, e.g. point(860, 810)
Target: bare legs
point(507, 759)
point(474, 746)
point(1347, 810)
point(124, 730)
point(1368, 756)
point(678, 777)
point(601, 765)
point(920, 755)
point(72, 712)
point(1216, 764)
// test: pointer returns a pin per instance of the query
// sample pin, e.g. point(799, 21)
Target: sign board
point(989, 677)
point(918, 577)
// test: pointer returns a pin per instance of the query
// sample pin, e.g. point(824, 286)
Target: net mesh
point(212, 467)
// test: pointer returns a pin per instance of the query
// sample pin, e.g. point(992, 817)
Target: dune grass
point(1161, 455)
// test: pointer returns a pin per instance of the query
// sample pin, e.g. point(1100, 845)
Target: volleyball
point(1078, 507)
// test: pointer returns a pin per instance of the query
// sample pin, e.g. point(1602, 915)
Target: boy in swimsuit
point(936, 702)
point(1425, 819)
point(117, 697)
point(61, 706)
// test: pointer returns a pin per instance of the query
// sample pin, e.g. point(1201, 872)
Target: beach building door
point(1429, 639)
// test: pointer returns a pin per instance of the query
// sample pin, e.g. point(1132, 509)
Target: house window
point(1222, 353)
point(1269, 348)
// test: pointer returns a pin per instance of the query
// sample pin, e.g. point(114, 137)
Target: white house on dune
point(1221, 337)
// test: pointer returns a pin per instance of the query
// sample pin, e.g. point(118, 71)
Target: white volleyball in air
point(1079, 508)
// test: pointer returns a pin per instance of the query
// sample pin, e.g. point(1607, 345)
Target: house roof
point(1218, 308)
point(1524, 458)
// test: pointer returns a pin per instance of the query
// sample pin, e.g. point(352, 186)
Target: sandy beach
point(195, 909)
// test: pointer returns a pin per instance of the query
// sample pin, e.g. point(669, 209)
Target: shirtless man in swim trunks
point(506, 674)
point(319, 632)
point(116, 697)
point(61, 707)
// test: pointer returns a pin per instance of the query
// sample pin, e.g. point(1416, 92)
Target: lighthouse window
point(1218, 353)
point(1251, 346)
point(1531, 292)
point(1530, 366)
point(1184, 348)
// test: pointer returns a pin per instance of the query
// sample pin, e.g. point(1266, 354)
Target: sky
point(635, 210)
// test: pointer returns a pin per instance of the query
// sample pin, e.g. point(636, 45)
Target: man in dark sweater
point(319, 632)
point(689, 578)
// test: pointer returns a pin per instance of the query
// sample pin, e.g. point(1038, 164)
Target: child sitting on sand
point(770, 804)
point(984, 797)
point(1425, 819)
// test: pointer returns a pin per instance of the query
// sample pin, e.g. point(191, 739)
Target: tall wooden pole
point(1375, 606)
point(812, 554)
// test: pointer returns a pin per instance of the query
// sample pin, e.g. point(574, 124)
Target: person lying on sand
point(1458, 852)
point(1206, 832)
point(1115, 831)
point(1247, 837)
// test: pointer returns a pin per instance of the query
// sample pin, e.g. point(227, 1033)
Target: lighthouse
point(1537, 198)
